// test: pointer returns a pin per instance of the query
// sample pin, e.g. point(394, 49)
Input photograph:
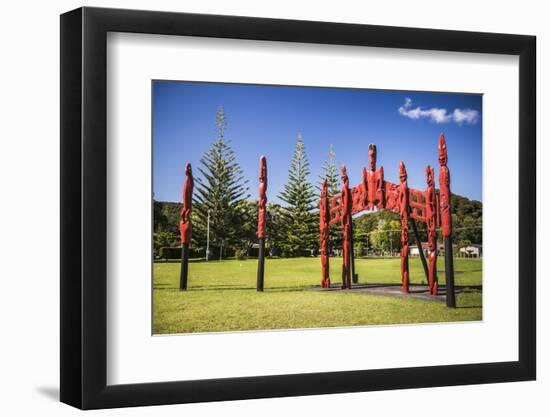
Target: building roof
point(424, 245)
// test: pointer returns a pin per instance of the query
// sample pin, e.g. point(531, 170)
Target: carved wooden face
point(442, 148)
point(402, 172)
point(344, 175)
point(263, 169)
point(188, 170)
point(324, 189)
point(429, 176)
point(372, 156)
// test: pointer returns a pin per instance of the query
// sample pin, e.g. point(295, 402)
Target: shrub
point(359, 249)
point(240, 254)
point(170, 253)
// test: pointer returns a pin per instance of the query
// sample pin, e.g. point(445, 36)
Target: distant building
point(471, 251)
point(413, 249)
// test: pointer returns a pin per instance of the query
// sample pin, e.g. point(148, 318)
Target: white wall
point(29, 172)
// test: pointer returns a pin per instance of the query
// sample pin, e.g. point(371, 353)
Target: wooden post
point(431, 225)
point(446, 220)
point(449, 273)
point(184, 266)
point(354, 276)
point(262, 229)
point(420, 250)
point(261, 260)
point(404, 211)
point(346, 229)
point(324, 230)
point(186, 226)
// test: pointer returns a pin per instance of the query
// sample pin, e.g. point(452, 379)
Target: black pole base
point(449, 273)
point(261, 262)
point(184, 266)
point(354, 276)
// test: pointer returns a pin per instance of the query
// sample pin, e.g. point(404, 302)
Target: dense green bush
point(240, 254)
point(170, 253)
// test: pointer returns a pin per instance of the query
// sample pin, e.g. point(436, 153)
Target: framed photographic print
point(257, 208)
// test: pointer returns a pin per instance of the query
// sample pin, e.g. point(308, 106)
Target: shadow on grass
point(204, 288)
point(466, 294)
point(232, 288)
point(287, 289)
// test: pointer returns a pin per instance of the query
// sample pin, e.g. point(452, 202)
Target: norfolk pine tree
point(298, 219)
point(222, 190)
point(332, 174)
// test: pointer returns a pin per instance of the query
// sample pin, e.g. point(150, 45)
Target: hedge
point(170, 253)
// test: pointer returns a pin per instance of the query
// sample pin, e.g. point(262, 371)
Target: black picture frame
point(84, 207)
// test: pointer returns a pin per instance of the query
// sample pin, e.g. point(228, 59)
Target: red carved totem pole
point(431, 223)
point(346, 229)
point(186, 226)
point(404, 212)
point(324, 229)
point(444, 189)
point(446, 219)
point(262, 229)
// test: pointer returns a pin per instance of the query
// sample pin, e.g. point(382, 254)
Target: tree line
point(223, 207)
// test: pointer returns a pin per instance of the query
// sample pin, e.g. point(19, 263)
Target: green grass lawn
point(222, 296)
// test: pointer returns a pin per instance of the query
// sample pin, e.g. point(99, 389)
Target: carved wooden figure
point(262, 198)
point(446, 220)
point(262, 211)
point(444, 189)
point(185, 214)
point(324, 220)
point(375, 182)
point(186, 226)
point(346, 229)
point(365, 187)
point(431, 224)
point(404, 212)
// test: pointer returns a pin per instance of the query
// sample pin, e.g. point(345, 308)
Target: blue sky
point(266, 120)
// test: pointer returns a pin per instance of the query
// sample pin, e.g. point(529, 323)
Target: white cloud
point(467, 116)
point(439, 115)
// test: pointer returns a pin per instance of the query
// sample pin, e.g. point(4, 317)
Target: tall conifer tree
point(332, 174)
point(222, 190)
point(330, 169)
point(298, 219)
